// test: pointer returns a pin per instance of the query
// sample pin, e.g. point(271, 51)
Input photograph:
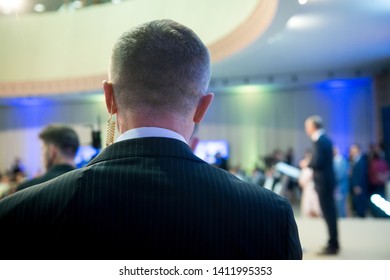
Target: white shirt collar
point(317, 134)
point(357, 158)
point(142, 132)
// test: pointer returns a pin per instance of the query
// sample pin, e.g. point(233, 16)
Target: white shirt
point(317, 134)
point(356, 158)
point(142, 132)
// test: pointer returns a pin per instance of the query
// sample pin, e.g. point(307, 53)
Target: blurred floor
point(360, 239)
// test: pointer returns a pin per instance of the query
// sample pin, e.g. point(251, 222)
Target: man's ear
point(109, 96)
point(203, 105)
point(52, 154)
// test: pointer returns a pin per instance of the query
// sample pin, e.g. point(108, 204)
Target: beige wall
point(257, 120)
point(254, 120)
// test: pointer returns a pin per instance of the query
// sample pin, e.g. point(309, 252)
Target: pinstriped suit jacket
point(147, 198)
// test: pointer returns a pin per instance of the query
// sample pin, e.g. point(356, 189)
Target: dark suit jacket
point(322, 165)
point(359, 175)
point(53, 172)
point(148, 198)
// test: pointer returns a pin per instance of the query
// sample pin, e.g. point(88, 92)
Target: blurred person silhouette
point(375, 149)
point(273, 178)
point(5, 186)
point(292, 185)
point(359, 180)
point(378, 174)
point(324, 179)
point(17, 167)
point(290, 156)
point(59, 147)
point(147, 196)
point(220, 161)
point(258, 176)
point(310, 205)
point(341, 169)
point(239, 172)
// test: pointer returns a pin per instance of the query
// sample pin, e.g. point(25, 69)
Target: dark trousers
point(329, 213)
point(360, 202)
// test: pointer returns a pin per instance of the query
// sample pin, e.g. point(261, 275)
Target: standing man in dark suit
point(359, 180)
point(324, 179)
point(147, 196)
point(59, 147)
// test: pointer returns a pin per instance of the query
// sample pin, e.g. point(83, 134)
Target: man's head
point(354, 150)
point(159, 69)
point(312, 124)
point(60, 144)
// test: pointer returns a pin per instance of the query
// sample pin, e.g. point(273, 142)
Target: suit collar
point(61, 168)
point(146, 147)
point(316, 135)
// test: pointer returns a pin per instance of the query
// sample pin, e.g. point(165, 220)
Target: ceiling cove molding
point(44, 88)
point(246, 33)
point(243, 35)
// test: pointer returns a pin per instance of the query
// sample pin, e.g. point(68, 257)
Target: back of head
point(316, 121)
point(161, 65)
point(355, 149)
point(62, 137)
point(376, 155)
point(312, 124)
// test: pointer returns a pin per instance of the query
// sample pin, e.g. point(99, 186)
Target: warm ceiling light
point(303, 2)
point(304, 21)
point(9, 6)
point(39, 8)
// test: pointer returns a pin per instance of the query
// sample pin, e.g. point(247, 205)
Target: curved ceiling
point(319, 40)
point(69, 52)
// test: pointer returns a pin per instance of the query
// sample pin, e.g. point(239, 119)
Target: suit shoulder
point(47, 196)
point(29, 183)
point(325, 140)
point(246, 190)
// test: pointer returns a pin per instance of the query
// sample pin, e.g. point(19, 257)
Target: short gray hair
point(161, 65)
point(317, 121)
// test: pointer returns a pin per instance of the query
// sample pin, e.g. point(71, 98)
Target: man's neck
point(62, 161)
point(317, 134)
point(172, 123)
